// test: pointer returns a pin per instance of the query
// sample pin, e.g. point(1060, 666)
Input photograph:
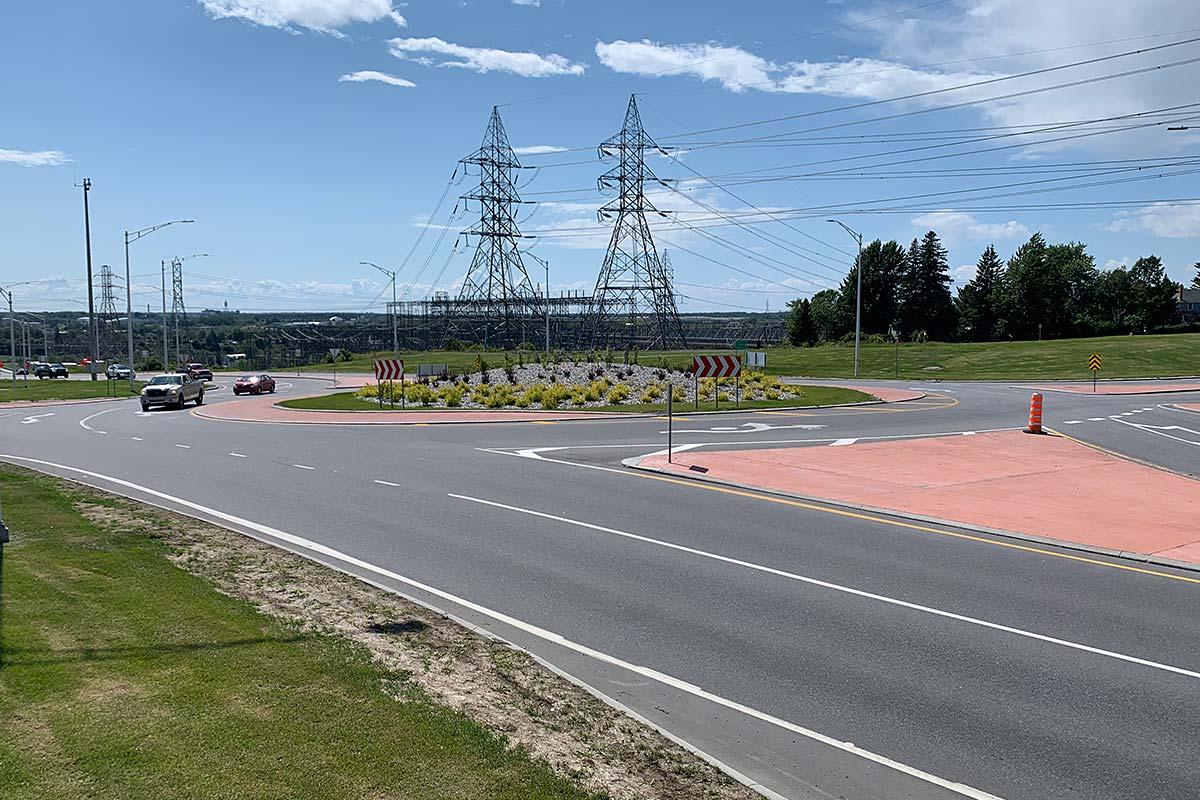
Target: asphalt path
point(816, 653)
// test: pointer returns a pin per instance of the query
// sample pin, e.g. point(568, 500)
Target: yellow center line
point(699, 484)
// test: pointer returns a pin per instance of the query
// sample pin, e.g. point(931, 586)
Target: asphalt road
point(769, 636)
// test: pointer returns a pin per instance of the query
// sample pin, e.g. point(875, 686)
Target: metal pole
point(163, 265)
point(129, 312)
point(858, 310)
point(87, 232)
point(12, 343)
point(670, 421)
point(547, 265)
point(395, 346)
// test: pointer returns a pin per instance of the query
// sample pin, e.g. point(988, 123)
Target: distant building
point(1188, 303)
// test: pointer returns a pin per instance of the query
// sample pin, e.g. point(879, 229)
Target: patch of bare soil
point(500, 687)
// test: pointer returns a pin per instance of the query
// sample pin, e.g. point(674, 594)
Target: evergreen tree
point(800, 329)
point(1154, 293)
point(882, 265)
point(1076, 268)
point(1196, 280)
point(979, 301)
point(828, 321)
point(925, 290)
point(1034, 290)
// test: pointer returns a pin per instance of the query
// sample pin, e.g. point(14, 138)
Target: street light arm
point(133, 236)
point(857, 236)
point(391, 273)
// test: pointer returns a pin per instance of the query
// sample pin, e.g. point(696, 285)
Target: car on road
point(254, 384)
point(120, 372)
point(172, 390)
point(55, 370)
point(199, 372)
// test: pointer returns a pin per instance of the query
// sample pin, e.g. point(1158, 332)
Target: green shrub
point(618, 394)
point(452, 396)
point(772, 394)
point(652, 392)
point(678, 394)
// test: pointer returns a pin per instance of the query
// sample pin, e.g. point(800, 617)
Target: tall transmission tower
point(633, 296)
point(177, 309)
point(496, 301)
point(107, 315)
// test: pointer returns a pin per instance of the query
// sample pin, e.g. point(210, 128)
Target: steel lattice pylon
point(106, 315)
point(496, 302)
point(178, 312)
point(633, 291)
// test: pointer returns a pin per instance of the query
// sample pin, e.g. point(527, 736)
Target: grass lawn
point(64, 390)
point(1124, 357)
point(811, 396)
point(122, 676)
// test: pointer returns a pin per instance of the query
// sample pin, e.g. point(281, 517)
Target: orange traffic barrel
point(1035, 413)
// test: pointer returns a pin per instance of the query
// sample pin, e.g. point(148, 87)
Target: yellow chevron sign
point(1095, 362)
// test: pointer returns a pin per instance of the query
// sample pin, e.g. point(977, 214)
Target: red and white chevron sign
point(716, 366)
point(389, 369)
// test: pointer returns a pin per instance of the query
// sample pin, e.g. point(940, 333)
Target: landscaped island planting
point(577, 384)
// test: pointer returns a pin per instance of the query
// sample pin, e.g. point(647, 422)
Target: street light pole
point(133, 237)
point(858, 292)
point(163, 265)
point(546, 265)
point(87, 233)
point(391, 273)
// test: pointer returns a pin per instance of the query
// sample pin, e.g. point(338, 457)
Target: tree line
point(1043, 291)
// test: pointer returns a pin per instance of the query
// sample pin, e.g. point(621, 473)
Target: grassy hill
point(1124, 357)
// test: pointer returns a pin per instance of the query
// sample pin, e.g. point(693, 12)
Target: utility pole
point(858, 293)
point(391, 273)
point(12, 340)
point(87, 233)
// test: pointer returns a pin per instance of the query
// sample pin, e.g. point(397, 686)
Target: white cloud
point(957, 226)
point(738, 70)
point(1161, 219)
point(534, 3)
point(322, 16)
point(538, 150)
point(483, 59)
point(34, 158)
point(365, 75)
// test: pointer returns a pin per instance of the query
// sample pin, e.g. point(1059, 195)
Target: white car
point(120, 372)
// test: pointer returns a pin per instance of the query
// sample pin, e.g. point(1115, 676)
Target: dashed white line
point(1095, 419)
point(302, 466)
point(135, 438)
point(385, 483)
point(238, 455)
point(937, 612)
point(184, 446)
point(1072, 422)
point(843, 442)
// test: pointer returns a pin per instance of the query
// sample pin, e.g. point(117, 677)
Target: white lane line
point(83, 423)
point(675, 448)
point(839, 588)
point(1072, 422)
point(33, 418)
point(1095, 419)
point(302, 466)
point(184, 446)
point(238, 455)
point(533, 630)
point(135, 438)
point(1160, 430)
point(385, 483)
point(843, 442)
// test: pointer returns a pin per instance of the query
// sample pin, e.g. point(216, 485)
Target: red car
point(254, 384)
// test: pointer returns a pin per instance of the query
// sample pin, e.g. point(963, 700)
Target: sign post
point(714, 367)
point(670, 422)
point(1094, 364)
point(389, 369)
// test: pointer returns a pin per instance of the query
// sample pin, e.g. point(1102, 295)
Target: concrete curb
point(1178, 407)
point(1106, 394)
point(1128, 555)
point(17, 404)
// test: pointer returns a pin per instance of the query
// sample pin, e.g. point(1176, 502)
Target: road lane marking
point(836, 587)
point(302, 466)
point(385, 483)
point(184, 446)
point(1159, 429)
point(843, 442)
point(237, 455)
point(1073, 422)
point(533, 630)
point(839, 512)
point(1095, 419)
point(33, 418)
point(135, 438)
point(83, 423)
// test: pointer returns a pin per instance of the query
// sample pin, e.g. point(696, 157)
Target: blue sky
point(305, 136)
